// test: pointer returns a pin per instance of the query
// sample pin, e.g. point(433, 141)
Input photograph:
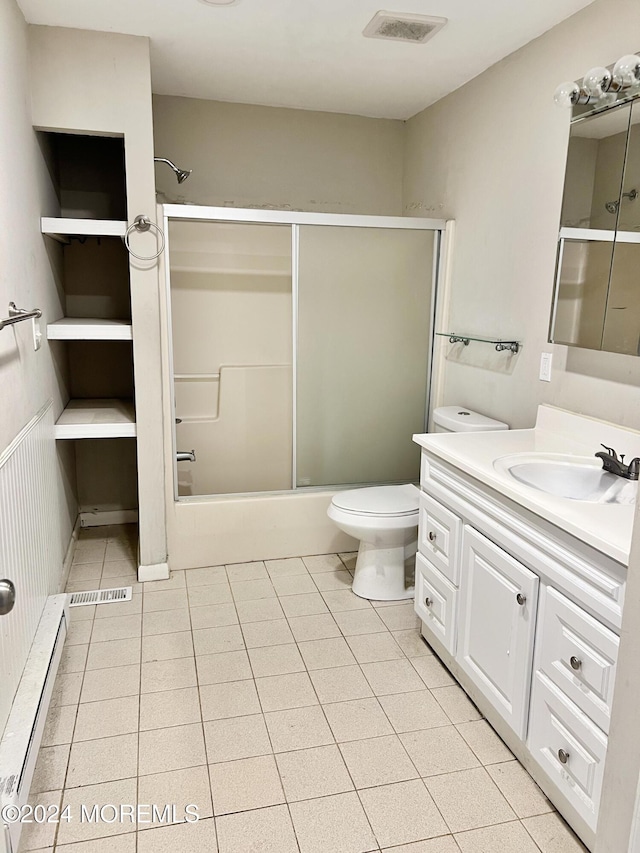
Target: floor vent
point(100, 596)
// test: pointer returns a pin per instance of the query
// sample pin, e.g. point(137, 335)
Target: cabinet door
point(498, 602)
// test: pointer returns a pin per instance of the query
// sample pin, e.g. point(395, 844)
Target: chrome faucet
point(186, 456)
point(615, 464)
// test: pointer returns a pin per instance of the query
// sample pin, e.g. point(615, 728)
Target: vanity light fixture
point(600, 84)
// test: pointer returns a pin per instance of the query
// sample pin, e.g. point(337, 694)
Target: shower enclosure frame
point(293, 219)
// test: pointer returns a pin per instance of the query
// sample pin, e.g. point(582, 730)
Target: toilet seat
point(379, 501)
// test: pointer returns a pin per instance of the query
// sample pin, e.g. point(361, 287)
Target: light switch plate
point(545, 366)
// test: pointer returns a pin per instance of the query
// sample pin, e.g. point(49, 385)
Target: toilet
point(385, 519)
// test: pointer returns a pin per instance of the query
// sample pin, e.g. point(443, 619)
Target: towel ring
point(141, 224)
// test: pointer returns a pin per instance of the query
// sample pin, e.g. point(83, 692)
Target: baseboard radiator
point(30, 556)
point(23, 733)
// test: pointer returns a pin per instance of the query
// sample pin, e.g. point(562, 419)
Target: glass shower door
point(364, 311)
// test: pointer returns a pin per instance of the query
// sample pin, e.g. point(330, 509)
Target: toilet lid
point(379, 500)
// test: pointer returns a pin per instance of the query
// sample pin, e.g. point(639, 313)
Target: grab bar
point(17, 315)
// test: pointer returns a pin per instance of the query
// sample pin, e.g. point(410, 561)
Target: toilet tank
point(459, 419)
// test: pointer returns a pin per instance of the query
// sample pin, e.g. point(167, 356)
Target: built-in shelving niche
point(92, 336)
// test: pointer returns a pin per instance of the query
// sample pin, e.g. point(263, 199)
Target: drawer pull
point(563, 756)
point(521, 599)
point(428, 602)
point(575, 662)
point(432, 536)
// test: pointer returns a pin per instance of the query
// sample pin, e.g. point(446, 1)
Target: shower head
point(612, 206)
point(181, 174)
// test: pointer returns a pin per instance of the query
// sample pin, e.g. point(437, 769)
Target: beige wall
point(492, 156)
point(28, 275)
point(251, 156)
point(101, 83)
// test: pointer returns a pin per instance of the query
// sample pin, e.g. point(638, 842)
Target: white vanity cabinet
point(527, 619)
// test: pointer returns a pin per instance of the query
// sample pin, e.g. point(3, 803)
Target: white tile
point(217, 593)
point(107, 719)
point(173, 599)
point(392, 676)
point(519, 789)
point(237, 833)
point(377, 761)
point(412, 643)
point(340, 684)
point(113, 653)
point(116, 628)
point(50, 769)
point(262, 610)
point(113, 844)
point(198, 837)
point(303, 605)
point(120, 569)
point(369, 648)
point(432, 672)
point(323, 563)
point(255, 571)
point(168, 675)
point(66, 689)
point(224, 666)
point(120, 608)
point(103, 760)
point(402, 813)
point(441, 844)
point(294, 585)
point(456, 704)
point(409, 712)
point(181, 787)
point(175, 748)
point(169, 708)
point(335, 824)
point(323, 654)
point(400, 617)
point(205, 577)
point(279, 692)
point(349, 560)
point(236, 737)
point(552, 835)
point(40, 835)
point(439, 750)
point(167, 646)
point(85, 572)
point(209, 641)
point(167, 622)
point(120, 550)
point(469, 799)
point(286, 568)
point(276, 632)
point(353, 622)
point(503, 838)
point(320, 627)
point(89, 551)
point(213, 616)
point(252, 590)
point(357, 720)
point(176, 580)
point(119, 681)
point(276, 660)
point(230, 699)
point(249, 783)
point(300, 728)
point(484, 742)
point(58, 728)
point(73, 659)
point(339, 600)
point(310, 773)
point(338, 580)
point(122, 791)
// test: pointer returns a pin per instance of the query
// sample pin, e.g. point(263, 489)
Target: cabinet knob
point(432, 536)
point(563, 756)
point(575, 662)
point(428, 601)
point(521, 599)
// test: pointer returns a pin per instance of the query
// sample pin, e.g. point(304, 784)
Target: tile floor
point(296, 716)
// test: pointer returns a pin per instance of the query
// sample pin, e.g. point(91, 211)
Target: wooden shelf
point(101, 418)
point(61, 228)
point(89, 329)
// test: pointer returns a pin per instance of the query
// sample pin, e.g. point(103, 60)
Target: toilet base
point(380, 572)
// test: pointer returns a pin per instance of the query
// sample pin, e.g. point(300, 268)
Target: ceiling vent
point(403, 27)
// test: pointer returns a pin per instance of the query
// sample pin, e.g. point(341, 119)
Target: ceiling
point(311, 54)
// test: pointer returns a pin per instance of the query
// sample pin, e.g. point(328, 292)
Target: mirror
point(597, 292)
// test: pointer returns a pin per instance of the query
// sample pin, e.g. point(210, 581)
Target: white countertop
point(606, 527)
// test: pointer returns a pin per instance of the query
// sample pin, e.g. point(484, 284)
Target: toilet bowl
point(385, 519)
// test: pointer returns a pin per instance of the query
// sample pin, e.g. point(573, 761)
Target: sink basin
point(577, 478)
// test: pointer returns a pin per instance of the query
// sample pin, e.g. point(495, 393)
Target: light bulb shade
point(567, 94)
point(626, 71)
point(597, 81)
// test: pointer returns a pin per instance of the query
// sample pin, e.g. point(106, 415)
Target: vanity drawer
point(435, 603)
point(578, 654)
point(568, 747)
point(439, 534)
